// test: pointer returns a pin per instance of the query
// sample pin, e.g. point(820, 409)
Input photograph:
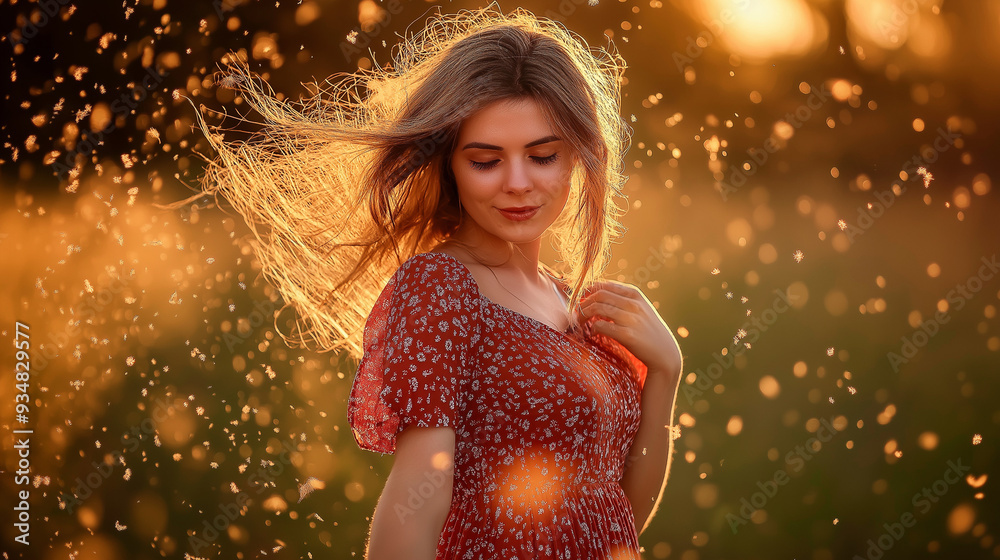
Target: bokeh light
point(810, 210)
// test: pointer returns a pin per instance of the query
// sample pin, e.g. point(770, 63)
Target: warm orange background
point(768, 137)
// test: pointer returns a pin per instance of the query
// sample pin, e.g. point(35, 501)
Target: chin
point(517, 233)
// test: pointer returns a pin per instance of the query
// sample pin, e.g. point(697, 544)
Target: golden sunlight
point(763, 29)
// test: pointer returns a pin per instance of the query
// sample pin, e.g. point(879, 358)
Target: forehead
point(512, 119)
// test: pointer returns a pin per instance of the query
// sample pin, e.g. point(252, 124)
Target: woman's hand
point(624, 314)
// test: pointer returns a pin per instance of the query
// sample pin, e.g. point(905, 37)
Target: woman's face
point(508, 157)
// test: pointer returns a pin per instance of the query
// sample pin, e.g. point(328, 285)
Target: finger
point(608, 298)
point(603, 313)
point(616, 287)
point(606, 328)
point(600, 308)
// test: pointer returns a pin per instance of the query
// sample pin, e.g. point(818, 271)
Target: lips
point(527, 213)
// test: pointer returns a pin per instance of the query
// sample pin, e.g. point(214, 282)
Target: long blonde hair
point(334, 183)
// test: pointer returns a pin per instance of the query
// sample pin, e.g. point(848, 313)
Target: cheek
point(558, 174)
point(472, 185)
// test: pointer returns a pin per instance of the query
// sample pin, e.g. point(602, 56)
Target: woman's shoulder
point(438, 259)
point(433, 267)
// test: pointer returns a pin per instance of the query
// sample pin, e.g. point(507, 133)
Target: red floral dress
point(543, 419)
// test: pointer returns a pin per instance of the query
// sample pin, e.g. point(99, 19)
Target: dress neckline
point(567, 332)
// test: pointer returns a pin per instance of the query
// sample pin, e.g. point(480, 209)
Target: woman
point(529, 412)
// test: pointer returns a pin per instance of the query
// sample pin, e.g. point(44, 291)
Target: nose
point(518, 180)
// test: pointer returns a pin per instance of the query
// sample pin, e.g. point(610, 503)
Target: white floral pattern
point(543, 419)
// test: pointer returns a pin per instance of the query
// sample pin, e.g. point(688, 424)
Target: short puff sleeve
point(418, 358)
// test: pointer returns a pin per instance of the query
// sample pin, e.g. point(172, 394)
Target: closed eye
point(484, 165)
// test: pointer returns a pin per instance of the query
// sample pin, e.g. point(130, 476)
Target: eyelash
point(484, 165)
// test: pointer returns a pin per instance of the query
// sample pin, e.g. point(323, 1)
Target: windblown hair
point(362, 169)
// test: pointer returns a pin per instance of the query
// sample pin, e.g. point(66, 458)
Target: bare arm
point(648, 463)
point(405, 524)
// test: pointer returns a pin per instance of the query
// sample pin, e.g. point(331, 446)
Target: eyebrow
point(483, 146)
